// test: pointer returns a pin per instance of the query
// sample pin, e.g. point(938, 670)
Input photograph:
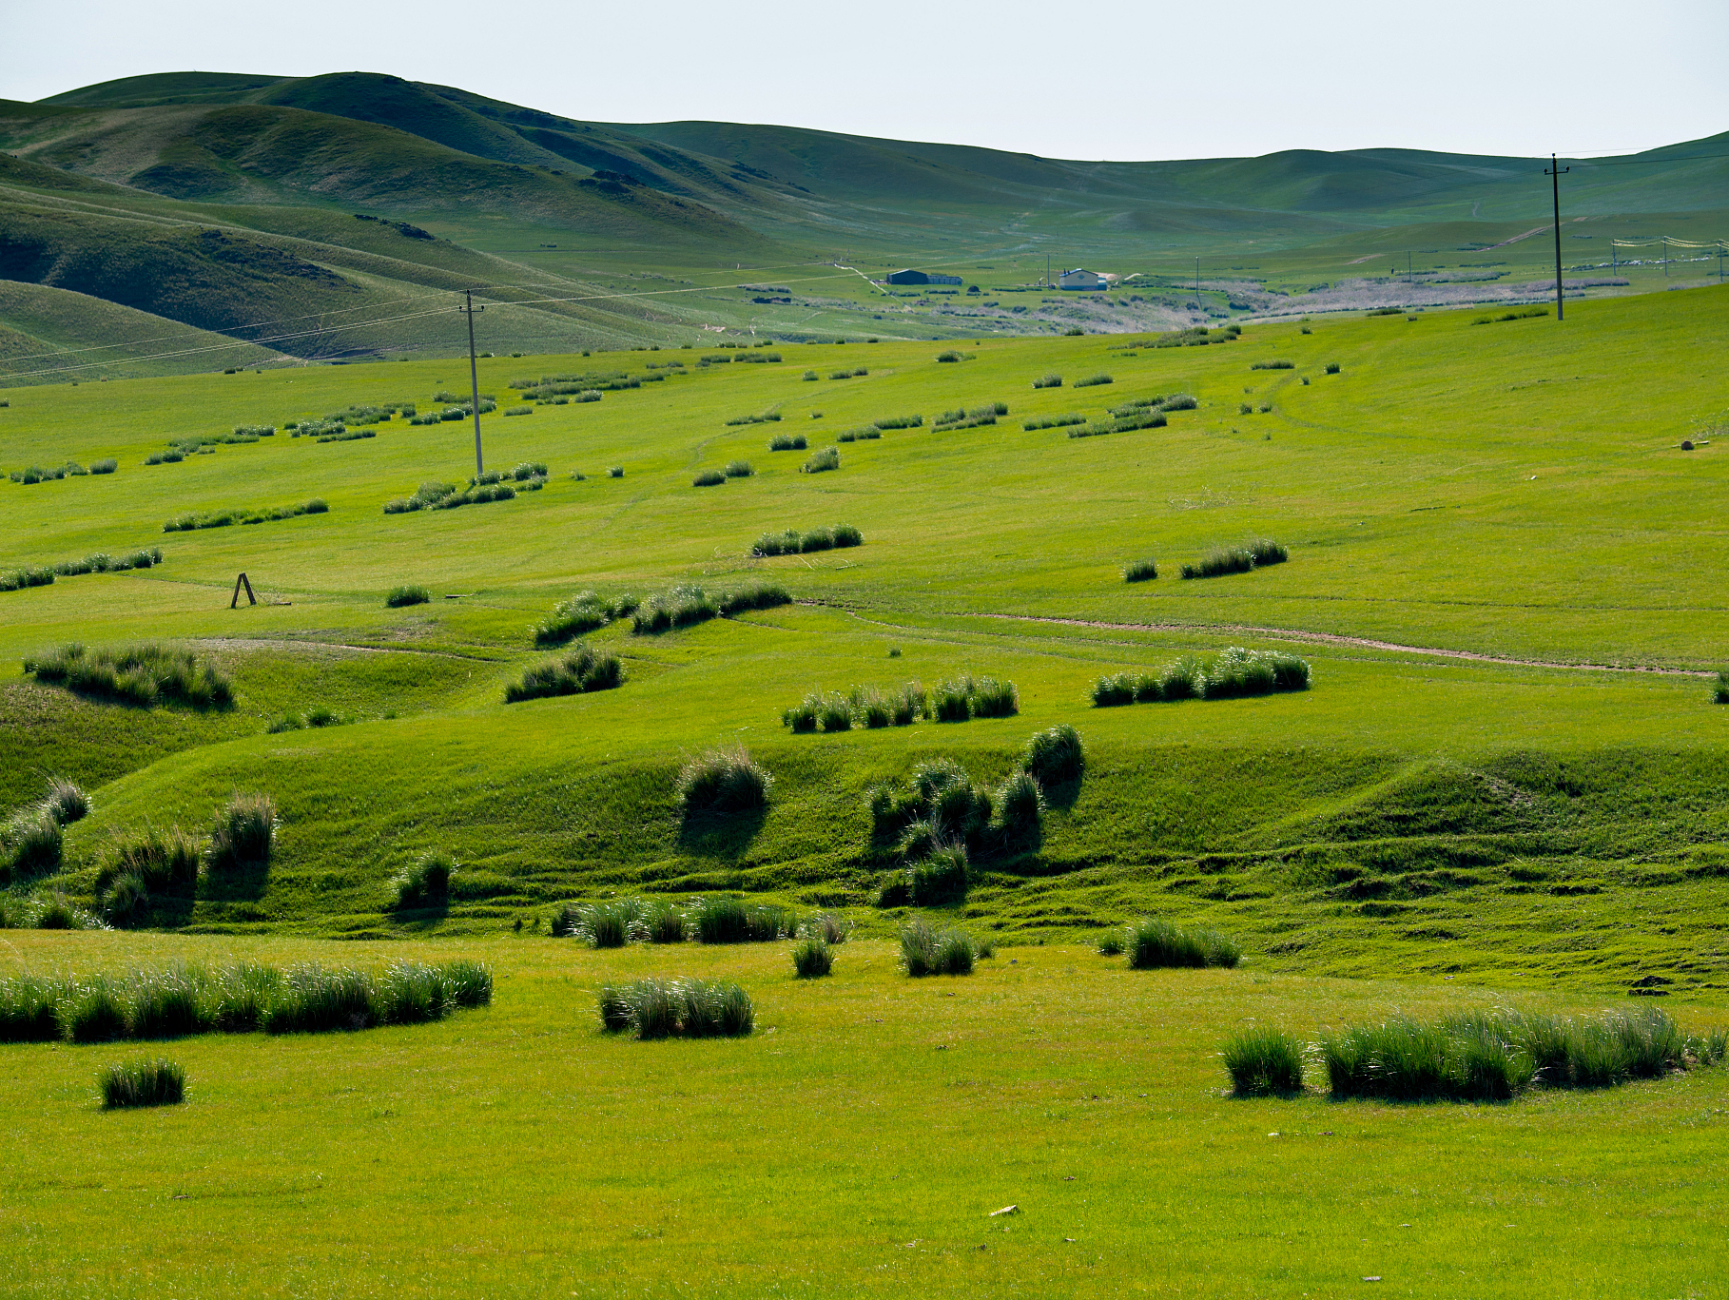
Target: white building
point(1080, 279)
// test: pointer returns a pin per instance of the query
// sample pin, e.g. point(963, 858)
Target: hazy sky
point(1093, 79)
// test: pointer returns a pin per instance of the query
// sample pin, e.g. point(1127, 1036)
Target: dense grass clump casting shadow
point(1263, 1062)
point(1055, 757)
point(1232, 673)
point(184, 1000)
point(139, 675)
point(1157, 943)
point(575, 672)
point(722, 782)
point(408, 595)
point(243, 835)
point(1140, 571)
point(928, 951)
point(426, 882)
point(663, 1008)
point(812, 958)
point(141, 1083)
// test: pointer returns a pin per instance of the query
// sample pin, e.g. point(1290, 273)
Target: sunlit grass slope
point(1508, 502)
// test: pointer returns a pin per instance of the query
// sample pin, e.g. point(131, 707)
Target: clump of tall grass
point(722, 782)
point(1093, 381)
point(1720, 693)
point(1054, 421)
point(663, 1008)
point(787, 442)
point(792, 542)
point(575, 672)
point(426, 881)
point(821, 462)
point(143, 675)
point(1155, 943)
point(243, 835)
point(1055, 756)
point(66, 801)
point(30, 843)
point(1225, 560)
point(684, 606)
point(141, 1083)
point(929, 951)
point(1332, 367)
point(158, 860)
point(812, 958)
point(1491, 1056)
point(183, 1000)
point(1140, 571)
point(1052, 380)
point(831, 927)
point(738, 469)
point(407, 595)
point(1110, 944)
point(967, 697)
point(584, 612)
point(864, 706)
point(949, 356)
point(709, 478)
point(1273, 365)
point(1263, 1062)
point(731, 920)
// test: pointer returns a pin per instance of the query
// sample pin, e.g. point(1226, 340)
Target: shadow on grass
point(1063, 794)
point(244, 883)
point(721, 835)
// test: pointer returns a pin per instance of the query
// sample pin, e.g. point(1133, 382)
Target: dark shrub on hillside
point(1114, 690)
point(1054, 756)
point(408, 595)
point(1332, 367)
point(244, 833)
point(846, 535)
point(721, 782)
point(574, 673)
point(950, 355)
point(1263, 1062)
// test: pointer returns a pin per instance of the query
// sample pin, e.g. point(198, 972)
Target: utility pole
point(1197, 277)
point(1555, 172)
point(468, 309)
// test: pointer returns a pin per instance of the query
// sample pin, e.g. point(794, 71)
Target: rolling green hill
point(664, 231)
point(1511, 702)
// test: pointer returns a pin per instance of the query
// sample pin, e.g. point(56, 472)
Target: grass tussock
point(130, 1084)
point(792, 542)
point(1054, 757)
point(863, 706)
point(822, 462)
point(1093, 381)
point(184, 1000)
point(722, 782)
point(575, 672)
point(1052, 380)
point(787, 442)
point(1225, 560)
point(1496, 1055)
point(1140, 571)
point(1231, 674)
point(143, 676)
point(926, 950)
point(1156, 943)
point(1263, 1062)
point(582, 613)
point(686, 606)
point(243, 835)
point(426, 882)
point(1720, 692)
point(399, 597)
point(1054, 421)
point(812, 958)
point(672, 1008)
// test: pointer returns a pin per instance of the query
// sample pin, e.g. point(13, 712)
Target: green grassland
point(1505, 787)
point(857, 1144)
point(1512, 491)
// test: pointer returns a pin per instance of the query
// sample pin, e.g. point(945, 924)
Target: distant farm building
point(921, 277)
point(1079, 279)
